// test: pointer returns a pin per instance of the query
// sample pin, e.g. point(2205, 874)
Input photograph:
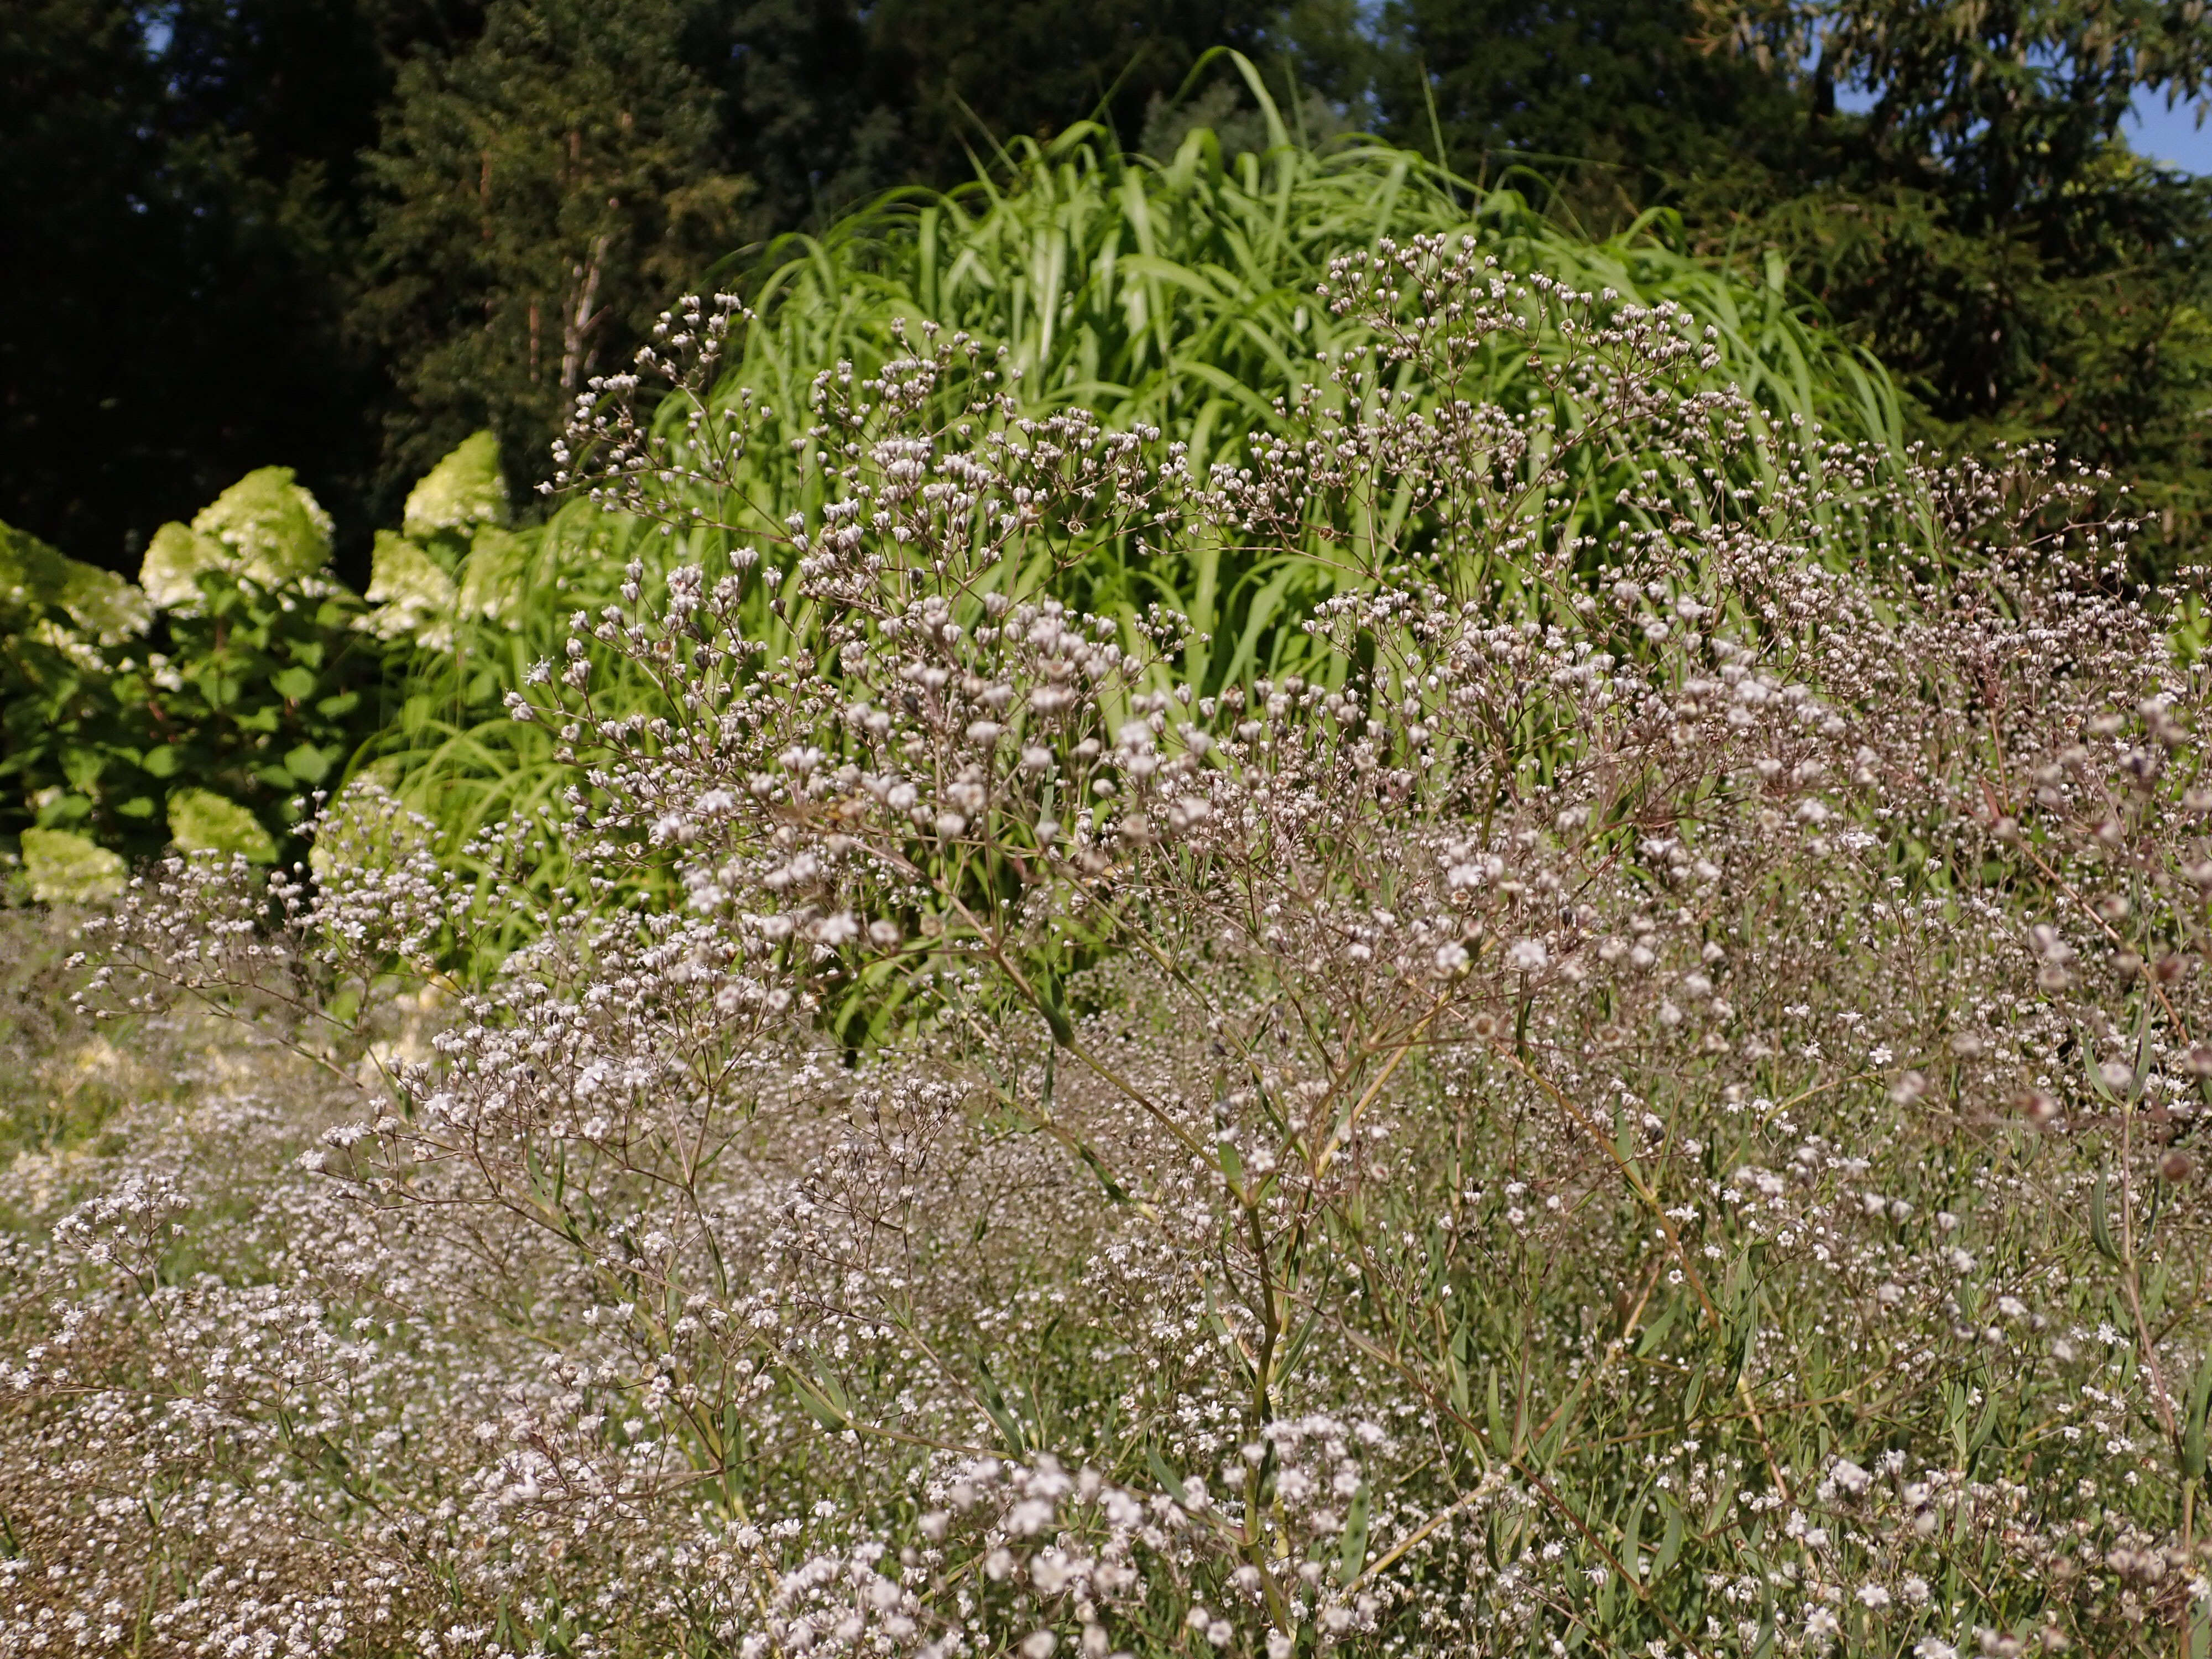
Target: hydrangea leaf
point(308, 764)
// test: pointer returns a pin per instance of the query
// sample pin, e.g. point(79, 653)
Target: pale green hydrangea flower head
point(454, 523)
point(35, 577)
point(413, 595)
point(67, 868)
point(170, 575)
point(492, 576)
point(201, 821)
point(271, 525)
point(464, 491)
point(266, 528)
point(61, 637)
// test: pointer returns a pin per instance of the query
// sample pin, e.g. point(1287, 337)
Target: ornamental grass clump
point(1641, 1101)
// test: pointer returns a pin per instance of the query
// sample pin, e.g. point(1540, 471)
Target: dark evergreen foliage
point(1615, 101)
point(536, 198)
point(179, 209)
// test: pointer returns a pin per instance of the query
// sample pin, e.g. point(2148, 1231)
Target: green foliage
point(177, 232)
point(1980, 226)
point(979, 75)
point(362, 203)
point(264, 529)
point(38, 584)
point(2084, 326)
point(549, 173)
point(59, 717)
point(831, 101)
point(64, 1080)
point(266, 692)
point(456, 560)
point(1704, 1063)
point(1183, 296)
point(201, 822)
point(2010, 106)
point(471, 604)
point(462, 493)
point(1983, 228)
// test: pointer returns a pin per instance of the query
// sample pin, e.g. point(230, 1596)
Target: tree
point(808, 114)
point(178, 220)
point(830, 100)
point(2007, 104)
point(172, 314)
point(538, 197)
point(1971, 212)
point(1612, 99)
point(1027, 69)
point(1982, 227)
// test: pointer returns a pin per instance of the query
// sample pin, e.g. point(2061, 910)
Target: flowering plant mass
point(1641, 1101)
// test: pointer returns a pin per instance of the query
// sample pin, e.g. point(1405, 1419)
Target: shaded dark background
point(340, 234)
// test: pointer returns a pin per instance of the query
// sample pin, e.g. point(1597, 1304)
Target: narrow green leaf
point(1353, 1556)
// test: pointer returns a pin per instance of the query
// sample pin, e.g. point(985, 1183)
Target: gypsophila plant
point(1642, 1101)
